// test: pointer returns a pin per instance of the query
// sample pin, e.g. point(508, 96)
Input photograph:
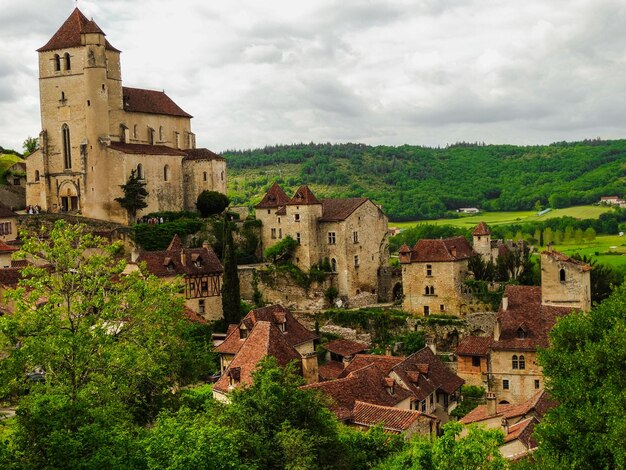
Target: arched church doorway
point(69, 197)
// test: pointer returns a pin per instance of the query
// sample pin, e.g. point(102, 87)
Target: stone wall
point(14, 197)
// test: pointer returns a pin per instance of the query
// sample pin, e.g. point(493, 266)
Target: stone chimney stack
point(491, 404)
point(505, 426)
point(388, 351)
point(310, 370)
point(430, 342)
point(205, 245)
point(505, 303)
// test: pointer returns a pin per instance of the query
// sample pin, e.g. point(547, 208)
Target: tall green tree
point(135, 195)
point(211, 203)
point(231, 297)
point(85, 326)
point(29, 145)
point(584, 370)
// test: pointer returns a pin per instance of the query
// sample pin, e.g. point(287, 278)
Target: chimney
point(205, 245)
point(491, 404)
point(505, 303)
point(430, 342)
point(549, 247)
point(183, 257)
point(388, 351)
point(310, 370)
point(390, 385)
point(505, 426)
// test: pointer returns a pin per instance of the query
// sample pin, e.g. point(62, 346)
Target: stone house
point(199, 268)
point(517, 422)
point(433, 276)
point(524, 320)
point(268, 331)
point(339, 353)
point(16, 174)
point(393, 420)
point(8, 224)
point(350, 233)
point(490, 250)
point(95, 131)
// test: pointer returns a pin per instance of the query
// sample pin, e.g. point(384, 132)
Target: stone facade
point(95, 132)
point(564, 282)
point(8, 224)
point(514, 384)
point(351, 234)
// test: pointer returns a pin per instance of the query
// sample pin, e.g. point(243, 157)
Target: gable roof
point(202, 154)
point(303, 196)
point(6, 212)
point(169, 262)
point(558, 256)
point(423, 373)
point(445, 249)
point(340, 209)
point(68, 35)
point(525, 311)
point(540, 403)
point(391, 419)
point(382, 363)
point(140, 100)
point(274, 197)
point(345, 347)
point(4, 248)
point(330, 370)
point(265, 339)
point(474, 346)
point(481, 229)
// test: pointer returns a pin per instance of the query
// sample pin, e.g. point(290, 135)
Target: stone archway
point(68, 197)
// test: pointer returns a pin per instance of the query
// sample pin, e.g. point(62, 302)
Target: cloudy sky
point(425, 72)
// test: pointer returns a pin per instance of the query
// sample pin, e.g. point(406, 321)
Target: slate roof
point(391, 419)
point(295, 333)
point(159, 261)
point(345, 347)
point(68, 35)
point(274, 197)
point(303, 196)
point(334, 210)
point(265, 339)
point(140, 100)
point(366, 384)
point(145, 149)
point(6, 212)
point(540, 404)
point(423, 373)
point(525, 312)
point(474, 346)
point(202, 154)
point(481, 229)
point(441, 250)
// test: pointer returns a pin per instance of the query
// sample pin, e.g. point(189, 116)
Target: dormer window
point(234, 376)
point(243, 333)
point(521, 334)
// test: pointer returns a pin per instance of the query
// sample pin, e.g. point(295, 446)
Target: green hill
point(414, 182)
point(7, 161)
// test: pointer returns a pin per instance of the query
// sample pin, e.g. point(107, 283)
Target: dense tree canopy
point(135, 195)
point(211, 203)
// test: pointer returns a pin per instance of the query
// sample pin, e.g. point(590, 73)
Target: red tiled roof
point(438, 376)
point(69, 33)
point(274, 197)
point(265, 339)
point(474, 346)
point(366, 385)
point(382, 363)
point(345, 347)
point(391, 419)
point(446, 249)
point(145, 149)
point(340, 209)
point(331, 370)
point(303, 196)
point(6, 212)
point(520, 430)
point(4, 248)
point(525, 311)
point(158, 262)
point(193, 316)
point(540, 403)
point(10, 276)
point(202, 154)
point(481, 229)
point(557, 255)
point(139, 100)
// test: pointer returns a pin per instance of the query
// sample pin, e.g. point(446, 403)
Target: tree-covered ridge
point(413, 182)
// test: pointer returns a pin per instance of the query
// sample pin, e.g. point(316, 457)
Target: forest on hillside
point(413, 182)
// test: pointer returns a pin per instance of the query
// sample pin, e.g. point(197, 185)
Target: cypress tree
point(230, 282)
point(134, 196)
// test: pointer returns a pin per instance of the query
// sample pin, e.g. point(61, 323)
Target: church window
point(166, 173)
point(67, 150)
point(204, 176)
point(333, 265)
point(177, 140)
point(562, 275)
point(355, 237)
point(522, 363)
point(222, 176)
point(332, 238)
point(515, 362)
point(36, 176)
point(135, 131)
point(68, 64)
point(57, 63)
point(123, 133)
point(429, 269)
point(160, 133)
point(356, 261)
point(140, 171)
point(62, 97)
point(150, 136)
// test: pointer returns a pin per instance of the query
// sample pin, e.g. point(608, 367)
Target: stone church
point(96, 131)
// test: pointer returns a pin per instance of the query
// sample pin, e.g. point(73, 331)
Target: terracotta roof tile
point(345, 347)
point(274, 197)
point(145, 149)
point(382, 363)
point(539, 403)
point(525, 311)
point(139, 100)
point(481, 229)
point(265, 339)
point(6, 212)
point(169, 262)
point(193, 316)
point(474, 346)
point(4, 248)
point(340, 209)
point(331, 370)
point(68, 35)
point(522, 430)
point(446, 249)
point(557, 255)
point(391, 419)
point(303, 196)
point(202, 154)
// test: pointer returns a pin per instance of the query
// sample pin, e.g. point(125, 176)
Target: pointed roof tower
point(274, 197)
point(69, 34)
point(304, 196)
point(481, 229)
point(176, 244)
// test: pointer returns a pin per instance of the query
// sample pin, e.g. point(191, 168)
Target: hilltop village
point(315, 274)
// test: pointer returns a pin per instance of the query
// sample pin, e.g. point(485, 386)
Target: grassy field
point(502, 218)
point(6, 161)
point(606, 249)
